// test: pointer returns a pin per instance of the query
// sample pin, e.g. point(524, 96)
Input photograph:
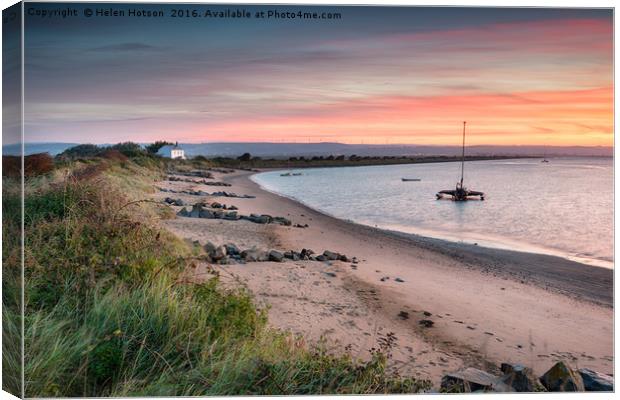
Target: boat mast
point(463, 154)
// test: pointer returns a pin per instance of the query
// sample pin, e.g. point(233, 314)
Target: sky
point(376, 75)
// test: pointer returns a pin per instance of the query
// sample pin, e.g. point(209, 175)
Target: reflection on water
point(561, 207)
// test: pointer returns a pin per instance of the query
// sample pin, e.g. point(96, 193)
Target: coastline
point(548, 271)
point(488, 305)
point(491, 243)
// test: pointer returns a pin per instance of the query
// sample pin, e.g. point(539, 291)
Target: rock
point(232, 249)
point(183, 212)
point(343, 258)
point(259, 219)
point(281, 221)
point(403, 315)
point(330, 255)
point(255, 255)
point(473, 380)
point(232, 216)
point(596, 382)
point(521, 379)
point(428, 314)
point(561, 378)
point(216, 205)
point(399, 280)
point(206, 214)
point(276, 256)
point(385, 278)
point(354, 260)
point(179, 202)
point(330, 274)
point(320, 257)
point(209, 248)
point(233, 208)
point(306, 253)
point(427, 323)
point(219, 253)
point(196, 209)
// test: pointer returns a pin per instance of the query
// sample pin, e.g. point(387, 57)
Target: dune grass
point(107, 313)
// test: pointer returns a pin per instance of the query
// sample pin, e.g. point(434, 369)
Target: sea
point(562, 208)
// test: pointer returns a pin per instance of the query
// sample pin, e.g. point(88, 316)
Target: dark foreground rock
point(276, 256)
point(521, 378)
point(596, 382)
point(473, 380)
point(518, 378)
point(561, 378)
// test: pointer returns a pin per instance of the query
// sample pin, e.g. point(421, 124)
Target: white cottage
point(172, 151)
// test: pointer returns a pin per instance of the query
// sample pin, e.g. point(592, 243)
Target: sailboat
point(544, 160)
point(461, 193)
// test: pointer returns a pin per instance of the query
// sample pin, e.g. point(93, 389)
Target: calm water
point(564, 207)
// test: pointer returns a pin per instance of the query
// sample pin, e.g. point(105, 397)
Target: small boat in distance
point(461, 193)
point(411, 179)
point(544, 160)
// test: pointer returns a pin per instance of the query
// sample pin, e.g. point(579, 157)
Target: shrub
point(130, 149)
point(81, 151)
point(245, 157)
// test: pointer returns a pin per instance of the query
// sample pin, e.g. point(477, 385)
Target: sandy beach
point(487, 306)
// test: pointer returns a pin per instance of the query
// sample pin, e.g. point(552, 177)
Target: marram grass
point(107, 315)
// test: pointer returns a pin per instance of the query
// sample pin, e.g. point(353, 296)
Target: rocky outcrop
point(276, 256)
point(198, 182)
point(596, 382)
point(473, 380)
point(254, 255)
point(561, 378)
point(518, 378)
point(521, 378)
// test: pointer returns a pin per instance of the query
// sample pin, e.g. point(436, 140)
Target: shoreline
point(487, 306)
point(423, 234)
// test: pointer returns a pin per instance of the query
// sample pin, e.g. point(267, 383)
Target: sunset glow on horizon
point(380, 75)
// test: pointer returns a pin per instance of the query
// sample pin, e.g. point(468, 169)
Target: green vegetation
point(248, 161)
point(109, 311)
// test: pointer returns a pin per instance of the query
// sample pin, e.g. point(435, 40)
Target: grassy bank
point(107, 313)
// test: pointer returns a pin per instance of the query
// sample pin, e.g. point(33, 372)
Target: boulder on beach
point(232, 249)
point(473, 380)
point(330, 255)
point(343, 258)
point(281, 221)
point(183, 212)
point(196, 209)
point(219, 253)
point(276, 256)
point(596, 382)
point(562, 378)
point(206, 214)
point(292, 255)
point(209, 248)
point(521, 379)
point(254, 255)
point(232, 216)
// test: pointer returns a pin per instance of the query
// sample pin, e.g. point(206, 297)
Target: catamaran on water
point(461, 193)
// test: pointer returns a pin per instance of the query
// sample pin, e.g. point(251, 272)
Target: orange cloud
point(575, 117)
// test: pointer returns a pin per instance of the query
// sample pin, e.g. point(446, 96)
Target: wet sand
point(487, 306)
